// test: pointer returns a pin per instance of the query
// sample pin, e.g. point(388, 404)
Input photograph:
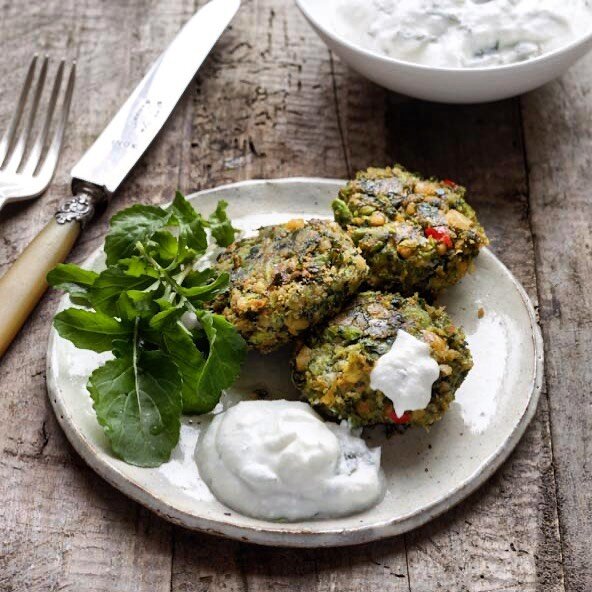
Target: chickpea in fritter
point(287, 279)
point(417, 235)
point(332, 366)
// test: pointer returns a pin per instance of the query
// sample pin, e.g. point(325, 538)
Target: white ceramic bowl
point(446, 85)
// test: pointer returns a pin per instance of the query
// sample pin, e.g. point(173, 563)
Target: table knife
point(99, 173)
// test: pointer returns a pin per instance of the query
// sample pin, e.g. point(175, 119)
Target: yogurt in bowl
point(455, 51)
point(462, 33)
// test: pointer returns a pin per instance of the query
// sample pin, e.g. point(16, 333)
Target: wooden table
point(273, 102)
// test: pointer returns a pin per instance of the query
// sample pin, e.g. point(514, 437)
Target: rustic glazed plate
point(426, 473)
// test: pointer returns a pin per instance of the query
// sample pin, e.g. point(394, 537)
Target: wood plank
point(506, 535)
point(65, 528)
point(274, 112)
point(274, 117)
point(61, 526)
point(284, 107)
point(558, 145)
point(202, 563)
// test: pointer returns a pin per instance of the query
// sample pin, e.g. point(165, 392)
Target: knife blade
point(108, 161)
point(115, 152)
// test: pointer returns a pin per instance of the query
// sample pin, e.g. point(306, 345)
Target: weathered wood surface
point(271, 101)
point(558, 135)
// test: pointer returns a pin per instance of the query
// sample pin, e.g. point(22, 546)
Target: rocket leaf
point(89, 330)
point(138, 303)
point(220, 225)
point(137, 399)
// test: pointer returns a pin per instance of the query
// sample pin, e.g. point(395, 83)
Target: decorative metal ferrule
point(80, 208)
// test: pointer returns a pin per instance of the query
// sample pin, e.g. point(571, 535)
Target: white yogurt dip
point(406, 373)
point(462, 33)
point(278, 460)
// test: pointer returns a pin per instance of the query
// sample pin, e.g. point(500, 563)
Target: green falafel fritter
point(332, 366)
point(287, 279)
point(416, 235)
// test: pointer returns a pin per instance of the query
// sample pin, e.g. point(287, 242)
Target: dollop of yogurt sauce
point(279, 460)
point(462, 33)
point(406, 373)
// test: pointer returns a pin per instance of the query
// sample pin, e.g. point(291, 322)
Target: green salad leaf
point(208, 291)
point(225, 357)
point(137, 399)
point(220, 225)
point(89, 330)
point(72, 279)
point(130, 226)
point(180, 345)
point(149, 307)
point(111, 283)
point(192, 233)
point(205, 375)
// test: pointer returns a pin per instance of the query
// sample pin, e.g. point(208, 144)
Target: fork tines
point(16, 143)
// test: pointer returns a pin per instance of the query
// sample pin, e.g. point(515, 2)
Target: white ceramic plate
point(426, 473)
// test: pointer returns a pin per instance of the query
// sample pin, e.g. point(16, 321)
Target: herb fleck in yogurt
point(463, 33)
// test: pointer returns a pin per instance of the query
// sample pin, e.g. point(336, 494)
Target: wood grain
point(559, 141)
point(490, 541)
point(271, 101)
point(498, 540)
point(61, 526)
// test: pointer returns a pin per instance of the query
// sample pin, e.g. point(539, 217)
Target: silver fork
point(20, 178)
